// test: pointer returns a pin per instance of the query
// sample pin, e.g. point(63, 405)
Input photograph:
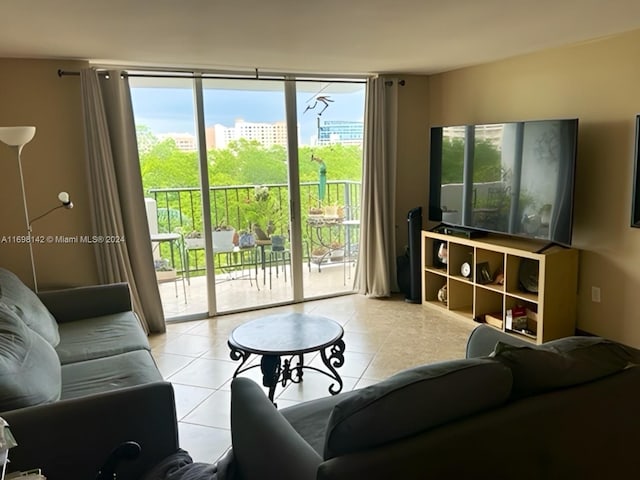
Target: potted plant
point(194, 240)
point(164, 270)
point(263, 213)
point(337, 252)
point(223, 237)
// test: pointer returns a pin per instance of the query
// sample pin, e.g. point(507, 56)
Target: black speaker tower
point(414, 221)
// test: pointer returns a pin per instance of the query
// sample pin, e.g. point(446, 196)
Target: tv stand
point(492, 286)
point(550, 245)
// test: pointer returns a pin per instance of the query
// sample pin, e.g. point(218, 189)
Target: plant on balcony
point(263, 213)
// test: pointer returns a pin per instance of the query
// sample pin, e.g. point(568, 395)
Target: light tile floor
point(382, 336)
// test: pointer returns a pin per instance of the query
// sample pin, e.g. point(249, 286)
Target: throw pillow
point(413, 401)
point(582, 345)
point(561, 364)
point(30, 371)
point(28, 307)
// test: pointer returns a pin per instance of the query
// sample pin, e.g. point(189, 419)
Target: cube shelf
point(505, 273)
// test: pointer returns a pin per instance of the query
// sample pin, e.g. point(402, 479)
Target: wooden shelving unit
point(552, 310)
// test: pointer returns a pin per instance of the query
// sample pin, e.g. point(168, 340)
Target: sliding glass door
point(330, 115)
point(164, 113)
point(218, 158)
point(246, 143)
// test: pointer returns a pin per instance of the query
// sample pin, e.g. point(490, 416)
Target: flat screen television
point(512, 178)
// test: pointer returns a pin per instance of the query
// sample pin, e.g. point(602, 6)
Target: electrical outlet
point(595, 294)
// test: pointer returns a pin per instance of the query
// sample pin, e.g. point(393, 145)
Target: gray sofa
point(77, 378)
point(563, 410)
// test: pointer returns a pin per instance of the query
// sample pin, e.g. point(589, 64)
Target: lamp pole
point(26, 219)
point(18, 137)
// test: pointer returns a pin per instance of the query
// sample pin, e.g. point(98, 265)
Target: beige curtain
point(376, 270)
point(117, 200)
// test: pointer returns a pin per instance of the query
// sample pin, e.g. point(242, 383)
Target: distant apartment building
point(267, 134)
point(343, 132)
point(330, 132)
point(185, 142)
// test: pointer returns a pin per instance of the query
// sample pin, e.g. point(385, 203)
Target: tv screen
point(513, 178)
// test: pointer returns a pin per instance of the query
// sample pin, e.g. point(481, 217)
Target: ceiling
point(300, 36)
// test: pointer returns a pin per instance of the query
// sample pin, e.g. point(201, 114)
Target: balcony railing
point(242, 206)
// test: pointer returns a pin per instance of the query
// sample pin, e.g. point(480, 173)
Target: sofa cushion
point(413, 401)
point(310, 418)
point(28, 306)
point(97, 337)
point(29, 366)
point(109, 373)
point(561, 363)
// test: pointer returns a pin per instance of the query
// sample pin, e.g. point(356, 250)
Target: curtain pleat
point(376, 270)
point(117, 198)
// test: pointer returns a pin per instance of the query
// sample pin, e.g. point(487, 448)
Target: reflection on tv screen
point(514, 178)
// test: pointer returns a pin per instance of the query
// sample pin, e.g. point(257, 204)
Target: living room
point(594, 81)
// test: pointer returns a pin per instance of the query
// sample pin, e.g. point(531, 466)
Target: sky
point(171, 110)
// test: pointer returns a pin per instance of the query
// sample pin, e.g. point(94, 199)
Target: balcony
point(248, 278)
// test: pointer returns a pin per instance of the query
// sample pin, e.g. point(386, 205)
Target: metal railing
point(179, 210)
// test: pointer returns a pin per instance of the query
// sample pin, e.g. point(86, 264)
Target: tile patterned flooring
point(382, 336)
point(240, 294)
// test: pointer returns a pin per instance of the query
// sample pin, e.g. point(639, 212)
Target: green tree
point(145, 138)
point(487, 166)
point(243, 163)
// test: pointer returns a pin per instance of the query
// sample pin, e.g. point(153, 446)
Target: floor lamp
point(17, 138)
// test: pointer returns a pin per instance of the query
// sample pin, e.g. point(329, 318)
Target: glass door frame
point(296, 233)
point(294, 188)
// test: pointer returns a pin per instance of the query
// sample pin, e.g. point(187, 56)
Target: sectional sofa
point(77, 378)
point(564, 410)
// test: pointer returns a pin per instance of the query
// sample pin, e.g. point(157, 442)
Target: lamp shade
point(16, 136)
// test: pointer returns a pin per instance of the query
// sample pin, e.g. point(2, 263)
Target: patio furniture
point(229, 258)
point(278, 253)
point(175, 244)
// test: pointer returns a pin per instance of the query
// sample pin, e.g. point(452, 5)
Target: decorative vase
point(247, 240)
point(277, 243)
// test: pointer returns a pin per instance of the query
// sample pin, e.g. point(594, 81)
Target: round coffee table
point(289, 335)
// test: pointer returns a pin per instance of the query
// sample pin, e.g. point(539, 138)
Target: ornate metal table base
point(280, 370)
point(282, 341)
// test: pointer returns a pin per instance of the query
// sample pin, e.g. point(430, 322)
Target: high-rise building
point(340, 131)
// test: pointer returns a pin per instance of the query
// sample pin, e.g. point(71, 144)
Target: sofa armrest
point(264, 444)
point(71, 439)
point(86, 302)
point(483, 339)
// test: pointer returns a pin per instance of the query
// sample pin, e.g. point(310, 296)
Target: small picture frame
point(483, 275)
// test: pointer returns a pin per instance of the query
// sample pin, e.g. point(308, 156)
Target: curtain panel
point(117, 198)
point(376, 270)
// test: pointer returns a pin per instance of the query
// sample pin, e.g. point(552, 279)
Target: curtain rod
point(213, 76)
